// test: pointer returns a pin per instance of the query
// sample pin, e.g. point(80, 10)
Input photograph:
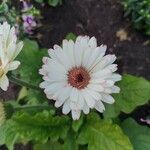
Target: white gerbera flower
point(79, 76)
point(2, 114)
point(9, 49)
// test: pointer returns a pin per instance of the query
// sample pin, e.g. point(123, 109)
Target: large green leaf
point(135, 91)
point(31, 61)
point(103, 135)
point(139, 135)
point(40, 127)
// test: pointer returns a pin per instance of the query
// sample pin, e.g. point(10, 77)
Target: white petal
point(76, 114)
point(115, 89)
point(93, 43)
point(81, 101)
point(74, 95)
point(105, 61)
point(96, 87)
point(66, 108)
point(86, 109)
point(4, 83)
point(95, 66)
point(64, 93)
point(115, 77)
point(68, 48)
point(93, 58)
point(58, 103)
point(99, 106)
point(107, 98)
point(88, 98)
point(95, 95)
point(19, 47)
point(11, 50)
point(54, 87)
point(44, 84)
point(74, 105)
point(14, 65)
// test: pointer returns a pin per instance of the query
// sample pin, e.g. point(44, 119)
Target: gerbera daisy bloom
point(78, 76)
point(9, 49)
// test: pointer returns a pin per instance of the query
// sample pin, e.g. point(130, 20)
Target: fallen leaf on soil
point(122, 35)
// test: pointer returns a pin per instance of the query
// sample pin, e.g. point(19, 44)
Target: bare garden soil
point(102, 19)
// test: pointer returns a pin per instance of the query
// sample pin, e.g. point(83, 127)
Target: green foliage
point(76, 125)
point(8, 13)
point(53, 3)
point(36, 121)
point(139, 10)
point(139, 135)
point(40, 127)
point(103, 135)
point(71, 36)
point(31, 61)
point(48, 146)
point(135, 91)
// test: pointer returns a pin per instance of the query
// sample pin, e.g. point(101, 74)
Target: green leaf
point(135, 91)
point(48, 146)
point(54, 3)
point(31, 61)
point(103, 135)
point(111, 111)
point(22, 93)
point(71, 36)
point(139, 135)
point(77, 124)
point(37, 127)
point(8, 137)
point(70, 142)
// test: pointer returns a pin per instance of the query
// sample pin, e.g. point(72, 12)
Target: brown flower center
point(78, 77)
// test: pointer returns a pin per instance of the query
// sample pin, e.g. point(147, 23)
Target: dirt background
point(102, 19)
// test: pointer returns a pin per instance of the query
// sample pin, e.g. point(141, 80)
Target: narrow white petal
point(4, 83)
point(93, 43)
point(74, 95)
point(44, 84)
point(115, 89)
point(88, 98)
point(14, 65)
point(54, 87)
point(107, 98)
point(65, 93)
point(86, 109)
point(102, 50)
point(58, 103)
point(81, 101)
point(76, 114)
point(96, 95)
point(115, 77)
point(99, 106)
point(19, 47)
point(74, 105)
point(96, 87)
point(66, 107)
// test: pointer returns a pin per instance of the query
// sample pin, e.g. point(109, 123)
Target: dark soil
point(102, 19)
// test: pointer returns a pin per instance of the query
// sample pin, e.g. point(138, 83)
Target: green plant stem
point(23, 83)
point(31, 107)
point(34, 107)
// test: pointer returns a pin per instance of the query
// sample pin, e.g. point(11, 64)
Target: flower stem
point(31, 107)
point(34, 107)
point(23, 83)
